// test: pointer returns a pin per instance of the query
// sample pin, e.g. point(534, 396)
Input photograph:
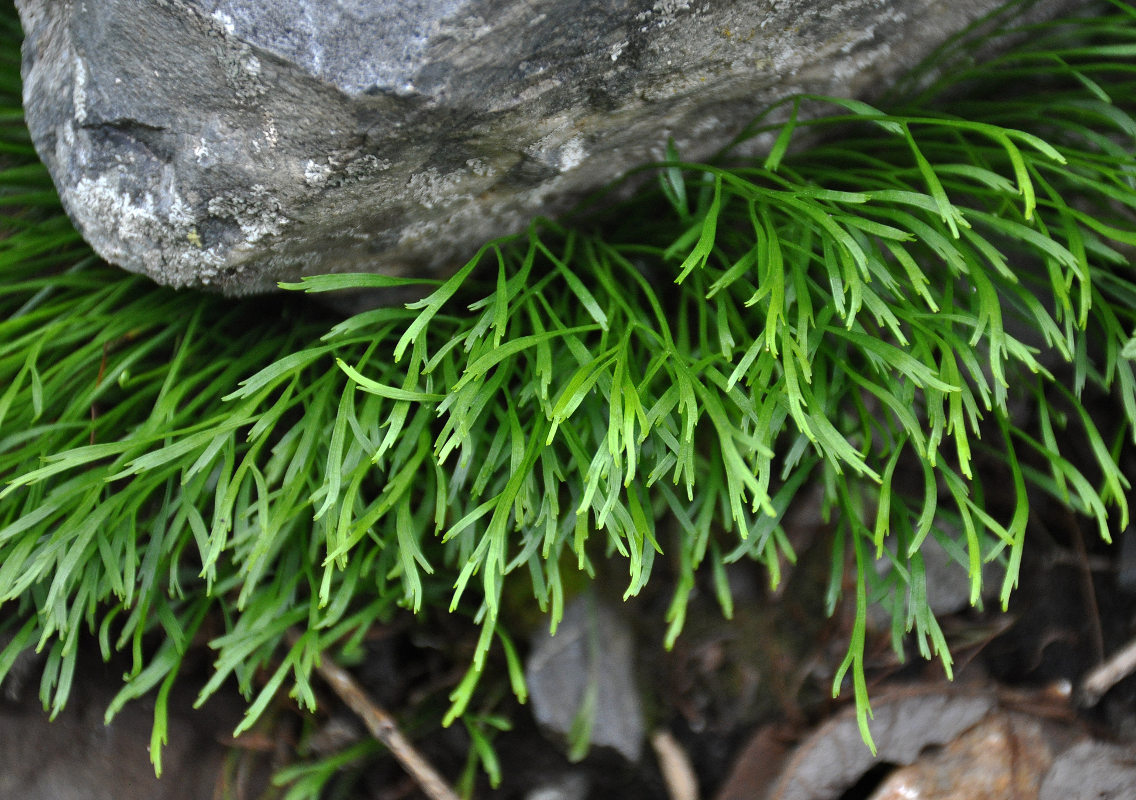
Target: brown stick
point(384, 728)
point(674, 763)
point(1099, 680)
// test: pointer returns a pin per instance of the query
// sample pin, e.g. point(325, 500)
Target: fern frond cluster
point(838, 311)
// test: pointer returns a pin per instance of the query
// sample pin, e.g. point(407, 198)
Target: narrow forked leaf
point(433, 304)
point(500, 302)
point(486, 361)
point(673, 182)
point(334, 467)
point(701, 252)
point(946, 211)
point(347, 281)
point(278, 370)
point(1093, 87)
point(1017, 527)
point(383, 390)
point(773, 160)
point(854, 658)
point(583, 294)
point(577, 389)
point(863, 109)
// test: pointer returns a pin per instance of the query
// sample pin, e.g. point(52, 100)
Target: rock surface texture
point(236, 143)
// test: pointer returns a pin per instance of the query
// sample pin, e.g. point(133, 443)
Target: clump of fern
point(876, 298)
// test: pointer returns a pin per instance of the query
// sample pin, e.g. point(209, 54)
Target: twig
point(1118, 667)
point(674, 763)
point(383, 727)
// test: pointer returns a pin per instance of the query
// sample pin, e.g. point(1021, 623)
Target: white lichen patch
point(256, 212)
point(562, 148)
point(180, 216)
point(480, 168)
point(430, 188)
point(367, 165)
point(242, 70)
point(79, 91)
point(102, 199)
point(663, 13)
point(224, 21)
point(572, 153)
point(670, 8)
point(140, 239)
point(316, 174)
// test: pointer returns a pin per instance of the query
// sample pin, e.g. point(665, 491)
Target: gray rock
point(585, 674)
point(1092, 771)
point(236, 143)
point(1126, 572)
point(572, 786)
point(831, 760)
point(77, 756)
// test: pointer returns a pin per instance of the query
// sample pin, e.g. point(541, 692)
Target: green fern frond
point(875, 297)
